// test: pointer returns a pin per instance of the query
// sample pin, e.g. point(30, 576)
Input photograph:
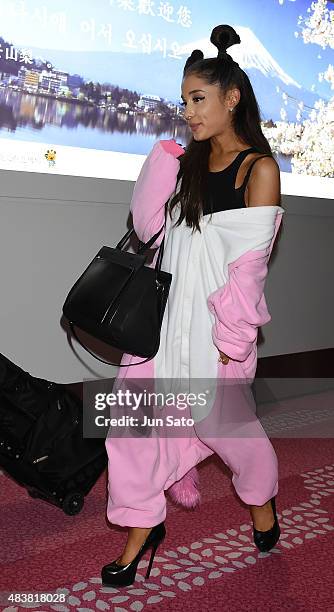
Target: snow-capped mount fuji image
point(268, 78)
point(250, 53)
point(151, 73)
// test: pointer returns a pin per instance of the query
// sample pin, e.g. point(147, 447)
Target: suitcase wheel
point(73, 503)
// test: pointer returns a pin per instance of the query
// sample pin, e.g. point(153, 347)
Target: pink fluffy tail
point(185, 491)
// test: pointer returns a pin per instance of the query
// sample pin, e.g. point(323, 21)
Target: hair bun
point(223, 37)
point(195, 56)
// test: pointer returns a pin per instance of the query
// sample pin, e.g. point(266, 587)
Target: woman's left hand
point(224, 358)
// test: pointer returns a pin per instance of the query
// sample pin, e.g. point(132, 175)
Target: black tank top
point(221, 193)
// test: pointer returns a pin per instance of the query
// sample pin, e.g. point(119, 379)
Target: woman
point(224, 214)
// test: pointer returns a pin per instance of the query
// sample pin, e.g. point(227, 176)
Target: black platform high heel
point(266, 540)
point(114, 574)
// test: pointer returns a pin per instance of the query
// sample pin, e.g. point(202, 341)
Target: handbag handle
point(145, 246)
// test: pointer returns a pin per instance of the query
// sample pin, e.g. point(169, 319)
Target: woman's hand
point(223, 358)
point(172, 147)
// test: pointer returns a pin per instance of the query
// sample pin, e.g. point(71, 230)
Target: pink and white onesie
point(216, 303)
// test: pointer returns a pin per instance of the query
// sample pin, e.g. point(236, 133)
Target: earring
point(231, 109)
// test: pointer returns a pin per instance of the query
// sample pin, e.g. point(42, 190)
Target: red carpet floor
point(208, 560)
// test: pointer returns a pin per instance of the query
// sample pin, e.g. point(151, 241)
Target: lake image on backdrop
point(108, 77)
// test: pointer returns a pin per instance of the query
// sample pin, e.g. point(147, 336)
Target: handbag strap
point(119, 365)
point(146, 245)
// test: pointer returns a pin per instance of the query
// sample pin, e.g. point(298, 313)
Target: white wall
point(51, 228)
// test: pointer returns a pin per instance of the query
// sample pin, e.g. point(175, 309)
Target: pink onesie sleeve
point(240, 308)
point(155, 184)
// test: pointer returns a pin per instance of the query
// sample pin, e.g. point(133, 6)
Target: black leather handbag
point(121, 301)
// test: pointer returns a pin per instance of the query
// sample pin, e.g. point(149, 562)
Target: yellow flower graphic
point(50, 156)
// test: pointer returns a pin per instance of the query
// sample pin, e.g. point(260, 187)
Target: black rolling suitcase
point(41, 442)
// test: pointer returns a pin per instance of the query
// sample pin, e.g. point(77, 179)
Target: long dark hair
point(194, 163)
